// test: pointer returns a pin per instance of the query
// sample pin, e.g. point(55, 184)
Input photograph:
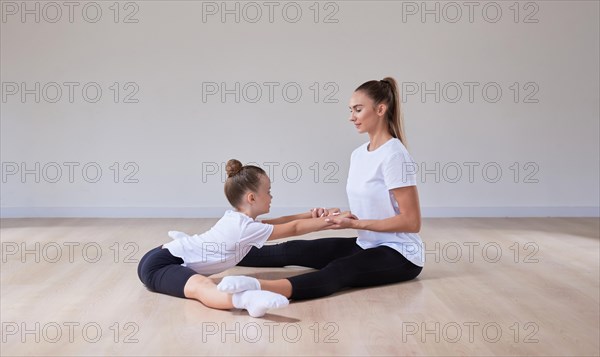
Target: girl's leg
point(160, 271)
point(257, 302)
point(203, 289)
point(239, 283)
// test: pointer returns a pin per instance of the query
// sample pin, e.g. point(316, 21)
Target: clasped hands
point(337, 219)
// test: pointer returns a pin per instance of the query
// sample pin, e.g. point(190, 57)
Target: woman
point(382, 193)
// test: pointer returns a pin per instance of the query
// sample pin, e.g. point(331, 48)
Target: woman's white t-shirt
point(371, 177)
point(223, 246)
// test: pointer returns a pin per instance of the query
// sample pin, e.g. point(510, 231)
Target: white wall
point(174, 133)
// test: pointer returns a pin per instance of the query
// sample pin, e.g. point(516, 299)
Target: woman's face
point(363, 113)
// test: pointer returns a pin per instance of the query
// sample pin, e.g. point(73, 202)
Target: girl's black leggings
point(341, 263)
point(163, 273)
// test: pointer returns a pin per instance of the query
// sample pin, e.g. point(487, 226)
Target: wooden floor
point(490, 287)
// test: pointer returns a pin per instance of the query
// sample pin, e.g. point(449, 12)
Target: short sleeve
point(256, 234)
point(399, 170)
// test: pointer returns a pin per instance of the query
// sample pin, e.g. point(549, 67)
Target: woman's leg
point(367, 267)
point(314, 254)
point(161, 272)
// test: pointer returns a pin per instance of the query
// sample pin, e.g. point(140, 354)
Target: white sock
point(238, 283)
point(258, 302)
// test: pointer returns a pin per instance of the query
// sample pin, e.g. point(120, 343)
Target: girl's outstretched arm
point(299, 227)
point(286, 219)
point(313, 213)
point(308, 225)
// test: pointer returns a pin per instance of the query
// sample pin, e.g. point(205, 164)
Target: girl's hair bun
point(233, 167)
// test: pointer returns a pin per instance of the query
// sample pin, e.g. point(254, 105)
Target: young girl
point(180, 268)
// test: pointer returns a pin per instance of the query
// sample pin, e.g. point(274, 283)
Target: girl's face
point(263, 196)
point(363, 113)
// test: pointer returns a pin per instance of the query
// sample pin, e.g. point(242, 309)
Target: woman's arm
point(409, 219)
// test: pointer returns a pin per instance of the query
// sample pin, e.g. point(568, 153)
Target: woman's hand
point(342, 220)
point(346, 214)
point(324, 212)
point(407, 221)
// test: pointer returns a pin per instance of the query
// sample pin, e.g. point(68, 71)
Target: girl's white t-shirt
point(371, 177)
point(223, 246)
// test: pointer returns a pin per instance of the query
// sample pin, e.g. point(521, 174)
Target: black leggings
point(341, 263)
point(162, 272)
